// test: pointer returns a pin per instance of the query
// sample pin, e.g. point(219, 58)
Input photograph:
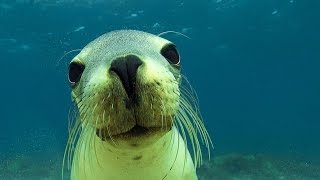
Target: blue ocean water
point(254, 65)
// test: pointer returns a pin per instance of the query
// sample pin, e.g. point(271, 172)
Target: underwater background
point(255, 66)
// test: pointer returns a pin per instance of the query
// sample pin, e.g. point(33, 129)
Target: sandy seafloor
point(222, 167)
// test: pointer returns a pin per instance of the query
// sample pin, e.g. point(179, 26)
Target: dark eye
point(170, 52)
point(75, 71)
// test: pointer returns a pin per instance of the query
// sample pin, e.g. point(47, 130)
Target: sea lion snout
point(126, 69)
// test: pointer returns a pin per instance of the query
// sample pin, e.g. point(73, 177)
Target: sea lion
point(133, 115)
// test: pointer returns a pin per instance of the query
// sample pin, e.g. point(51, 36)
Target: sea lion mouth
point(135, 132)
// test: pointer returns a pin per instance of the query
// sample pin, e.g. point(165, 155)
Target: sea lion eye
point(75, 71)
point(170, 52)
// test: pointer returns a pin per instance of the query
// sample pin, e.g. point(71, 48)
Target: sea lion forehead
point(122, 42)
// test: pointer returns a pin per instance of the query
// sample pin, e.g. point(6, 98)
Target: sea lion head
point(125, 85)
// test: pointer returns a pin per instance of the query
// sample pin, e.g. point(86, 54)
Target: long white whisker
point(174, 32)
point(58, 63)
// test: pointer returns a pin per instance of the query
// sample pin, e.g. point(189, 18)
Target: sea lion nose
point(126, 68)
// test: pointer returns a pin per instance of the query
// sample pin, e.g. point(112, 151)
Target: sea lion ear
point(75, 71)
point(171, 54)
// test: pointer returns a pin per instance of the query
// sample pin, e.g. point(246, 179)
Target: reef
point(257, 167)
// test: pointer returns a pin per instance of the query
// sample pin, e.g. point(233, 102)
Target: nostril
point(133, 63)
point(126, 68)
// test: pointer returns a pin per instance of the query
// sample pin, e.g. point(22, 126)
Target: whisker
point(175, 159)
point(174, 32)
point(189, 118)
point(109, 134)
point(65, 54)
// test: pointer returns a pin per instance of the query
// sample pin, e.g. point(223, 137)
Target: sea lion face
point(126, 85)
